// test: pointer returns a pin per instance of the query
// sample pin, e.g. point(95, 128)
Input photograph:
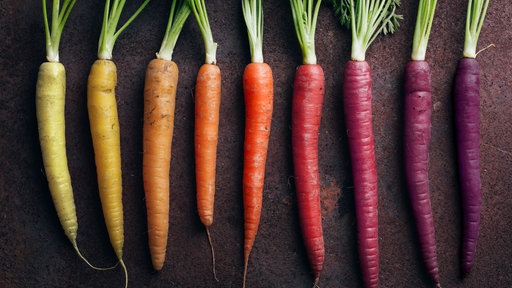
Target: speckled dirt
point(35, 253)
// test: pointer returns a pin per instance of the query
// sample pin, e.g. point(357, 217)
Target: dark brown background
point(35, 253)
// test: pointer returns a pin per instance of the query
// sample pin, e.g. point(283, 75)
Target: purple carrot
point(417, 126)
point(467, 119)
point(467, 131)
point(418, 111)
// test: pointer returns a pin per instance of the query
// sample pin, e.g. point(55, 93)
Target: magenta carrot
point(258, 86)
point(366, 19)
point(417, 116)
point(467, 130)
point(307, 100)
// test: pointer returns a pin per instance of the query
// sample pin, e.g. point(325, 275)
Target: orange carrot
point(259, 97)
point(206, 133)
point(159, 104)
point(206, 130)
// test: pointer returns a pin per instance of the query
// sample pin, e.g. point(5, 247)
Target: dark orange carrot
point(159, 103)
point(259, 98)
point(258, 86)
point(206, 133)
point(206, 130)
point(307, 101)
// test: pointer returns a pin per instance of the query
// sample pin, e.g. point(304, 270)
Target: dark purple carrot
point(366, 19)
point(467, 118)
point(467, 130)
point(417, 126)
point(308, 96)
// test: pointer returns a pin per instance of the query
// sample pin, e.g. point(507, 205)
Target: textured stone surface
point(35, 253)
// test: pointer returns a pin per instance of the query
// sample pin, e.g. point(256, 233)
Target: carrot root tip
point(246, 263)
point(213, 254)
point(125, 272)
point(87, 261)
point(315, 284)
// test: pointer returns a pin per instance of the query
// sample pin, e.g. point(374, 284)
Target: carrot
point(159, 103)
point(206, 130)
point(258, 86)
point(307, 100)
point(467, 131)
point(418, 111)
point(366, 19)
point(104, 125)
point(50, 107)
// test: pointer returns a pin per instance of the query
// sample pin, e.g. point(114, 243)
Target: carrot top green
point(177, 17)
point(199, 9)
point(305, 15)
point(53, 31)
point(424, 20)
point(109, 31)
point(474, 20)
point(366, 19)
point(253, 15)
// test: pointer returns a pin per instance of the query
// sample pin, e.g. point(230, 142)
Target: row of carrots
point(366, 20)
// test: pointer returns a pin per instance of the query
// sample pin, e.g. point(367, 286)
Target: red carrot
point(467, 130)
point(417, 115)
point(308, 96)
point(259, 98)
point(366, 20)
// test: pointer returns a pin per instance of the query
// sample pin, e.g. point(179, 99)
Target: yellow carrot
point(104, 124)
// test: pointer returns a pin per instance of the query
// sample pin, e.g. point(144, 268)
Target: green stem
point(53, 31)
point(370, 18)
point(474, 20)
point(109, 32)
point(199, 9)
point(305, 15)
point(253, 15)
point(177, 17)
point(426, 10)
